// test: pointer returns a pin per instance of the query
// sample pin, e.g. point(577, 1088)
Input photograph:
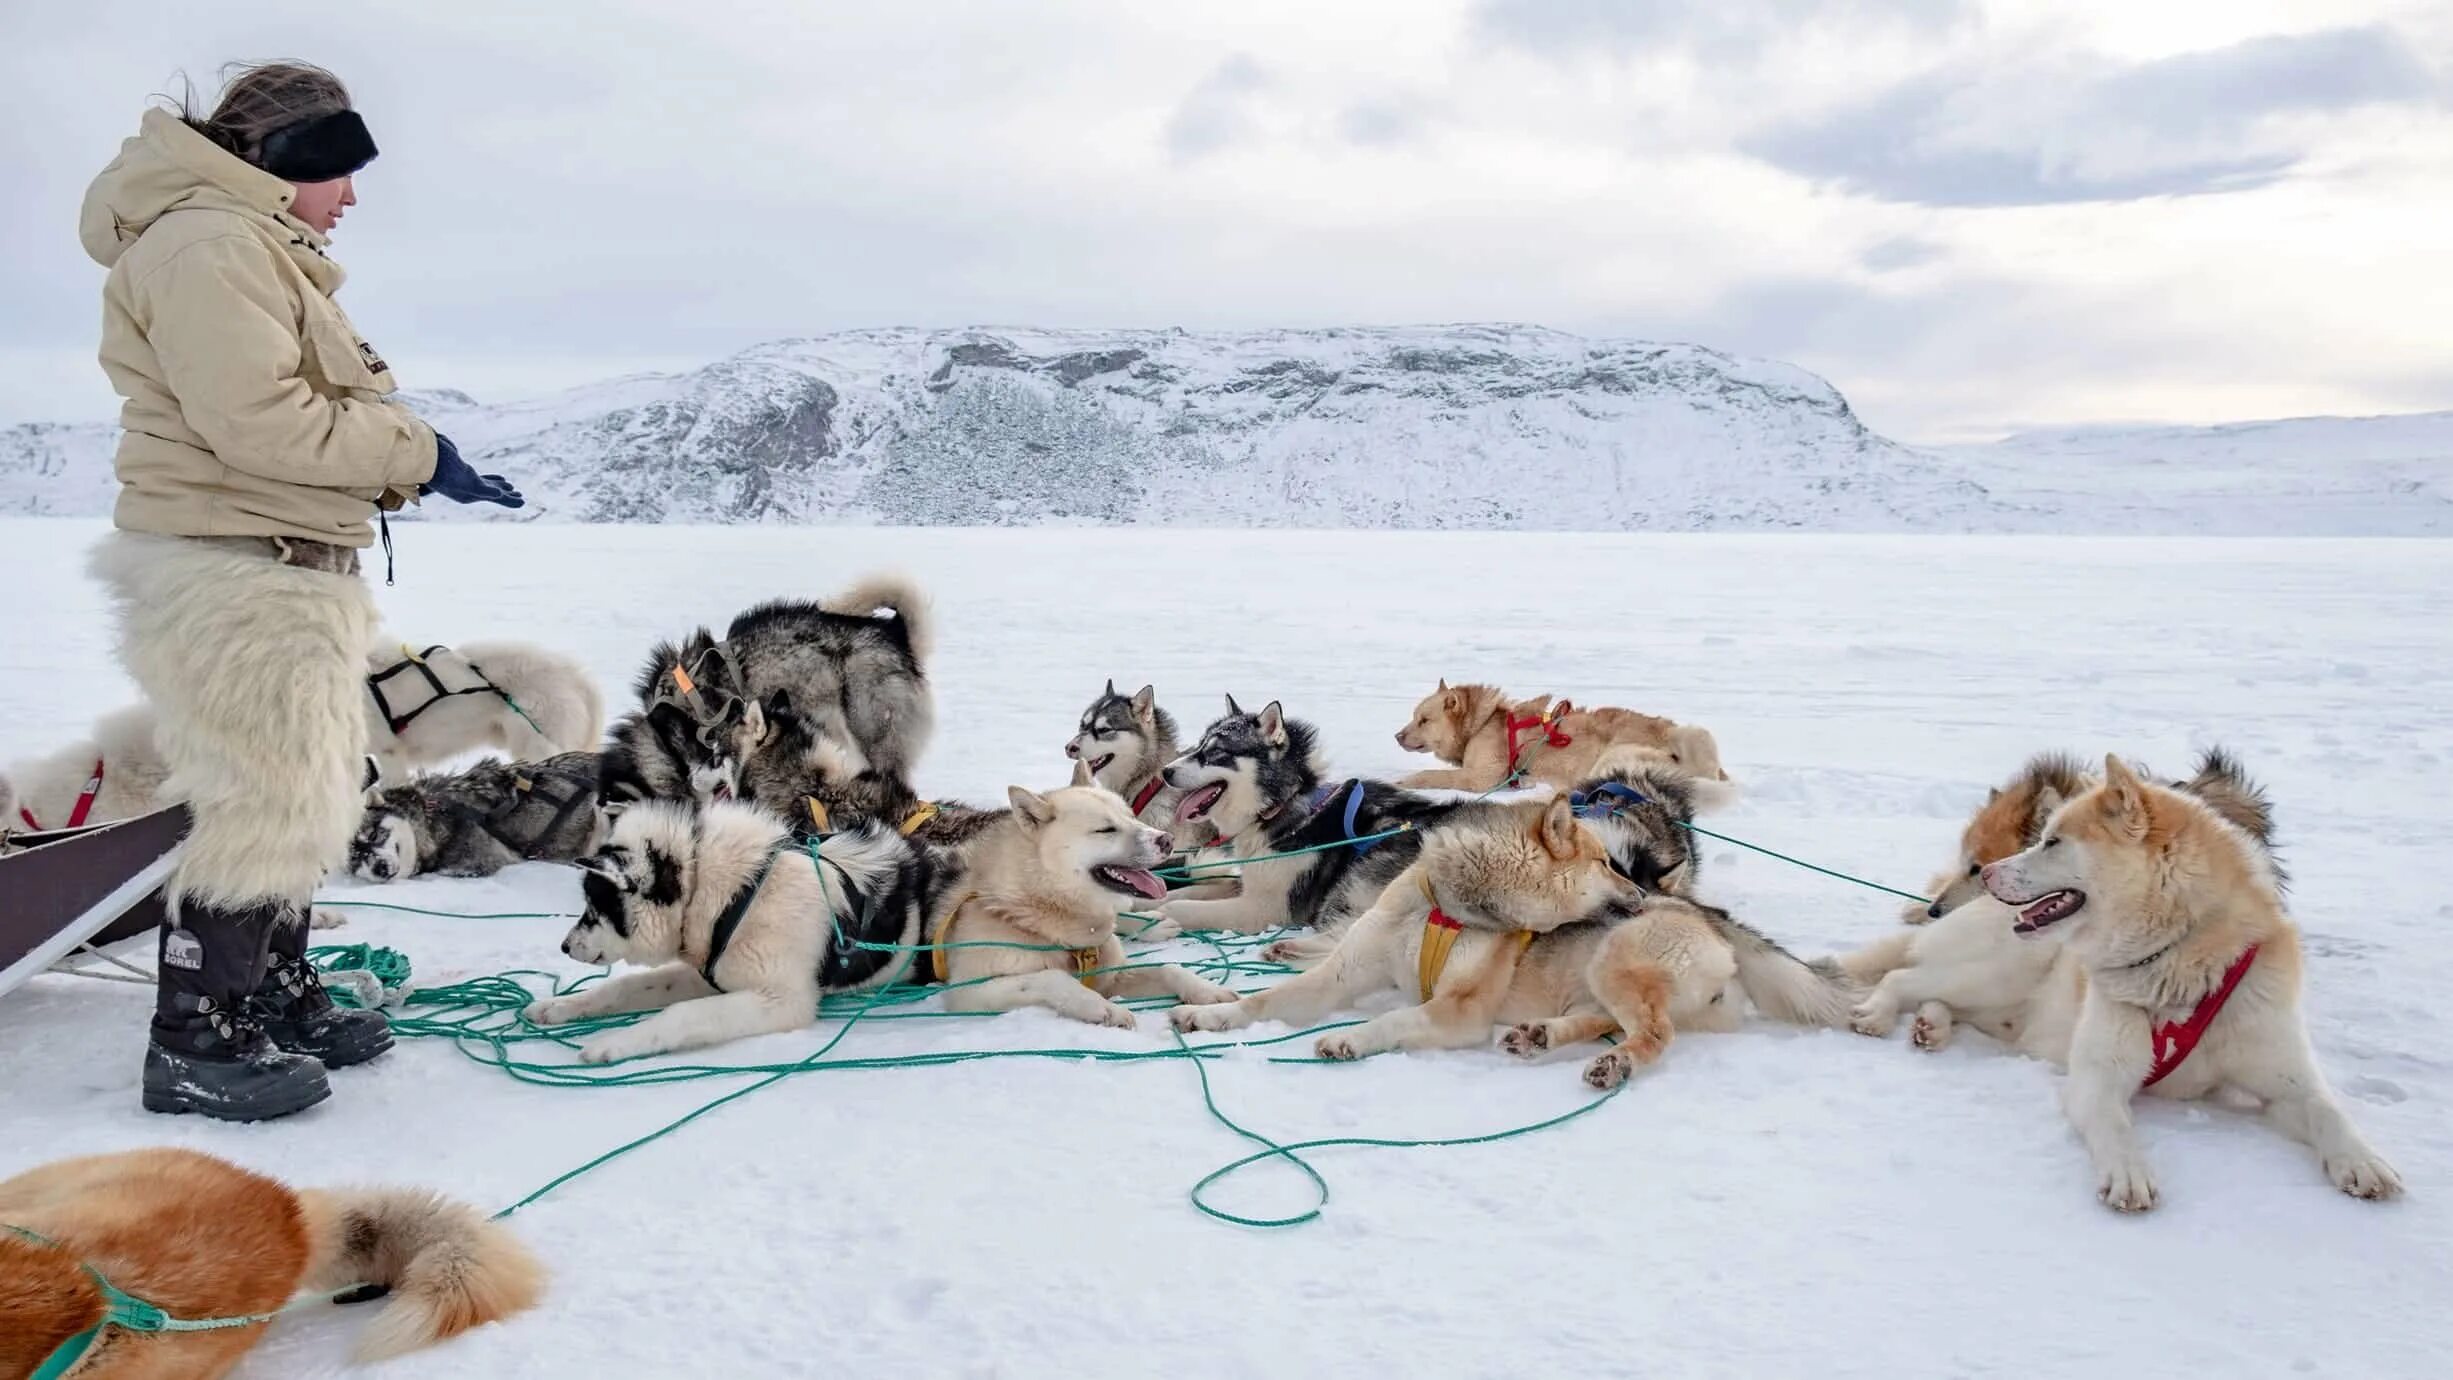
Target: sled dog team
point(750, 839)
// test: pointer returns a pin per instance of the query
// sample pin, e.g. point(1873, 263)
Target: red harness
point(1142, 799)
point(2175, 1039)
point(83, 807)
point(1549, 725)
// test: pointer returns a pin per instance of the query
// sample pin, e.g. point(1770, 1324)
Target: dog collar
point(1547, 721)
point(1143, 797)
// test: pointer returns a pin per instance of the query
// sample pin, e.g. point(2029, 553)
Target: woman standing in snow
point(259, 440)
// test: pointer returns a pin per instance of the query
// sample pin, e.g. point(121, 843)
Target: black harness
point(575, 797)
point(436, 690)
point(720, 939)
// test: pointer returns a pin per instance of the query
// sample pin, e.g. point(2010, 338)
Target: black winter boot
point(208, 1053)
point(300, 1015)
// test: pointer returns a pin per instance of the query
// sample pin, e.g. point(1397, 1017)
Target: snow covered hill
point(1502, 427)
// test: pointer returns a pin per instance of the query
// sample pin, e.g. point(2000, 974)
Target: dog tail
point(1872, 963)
point(447, 1268)
point(2229, 791)
point(899, 593)
point(1782, 985)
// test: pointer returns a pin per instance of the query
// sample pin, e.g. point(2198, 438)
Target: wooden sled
point(67, 892)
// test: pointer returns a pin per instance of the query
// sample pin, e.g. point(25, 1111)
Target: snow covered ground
point(1770, 1202)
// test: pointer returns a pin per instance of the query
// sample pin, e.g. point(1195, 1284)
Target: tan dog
point(1483, 736)
point(2011, 818)
point(2172, 916)
point(1055, 871)
point(1547, 938)
point(203, 1239)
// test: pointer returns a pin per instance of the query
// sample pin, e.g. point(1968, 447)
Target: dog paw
point(2127, 1186)
point(609, 1048)
point(1121, 1017)
point(1281, 951)
point(545, 1011)
point(1191, 1018)
point(2364, 1176)
point(1210, 994)
point(318, 918)
point(1610, 1069)
point(1525, 1041)
point(1337, 1044)
point(1873, 1018)
point(1932, 1031)
point(1159, 932)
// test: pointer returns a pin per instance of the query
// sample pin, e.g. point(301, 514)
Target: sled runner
point(69, 891)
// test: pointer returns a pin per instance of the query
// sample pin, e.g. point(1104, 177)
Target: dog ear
point(1145, 702)
point(1033, 808)
point(1443, 685)
point(1234, 710)
point(1992, 793)
point(2048, 800)
point(1451, 702)
point(1273, 725)
point(2124, 796)
point(1081, 773)
point(1110, 692)
point(1557, 830)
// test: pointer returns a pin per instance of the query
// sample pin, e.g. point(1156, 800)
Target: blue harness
point(1608, 798)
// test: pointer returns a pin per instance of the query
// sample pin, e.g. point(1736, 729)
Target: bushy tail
point(448, 1269)
point(1782, 985)
point(899, 593)
point(2229, 791)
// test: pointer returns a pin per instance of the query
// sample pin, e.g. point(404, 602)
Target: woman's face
point(319, 203)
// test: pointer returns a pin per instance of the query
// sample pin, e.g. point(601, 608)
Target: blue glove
point(453, 479)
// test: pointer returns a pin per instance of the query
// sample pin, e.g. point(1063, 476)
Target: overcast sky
point(1969, 216)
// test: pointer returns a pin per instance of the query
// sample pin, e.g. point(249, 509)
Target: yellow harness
point(1439, 934)
point(1085, 961)
point(922, 814)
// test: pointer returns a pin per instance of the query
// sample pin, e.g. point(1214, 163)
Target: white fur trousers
point(257, 671)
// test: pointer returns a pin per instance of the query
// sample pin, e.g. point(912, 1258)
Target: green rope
point(1801, 862)
point(448, 914)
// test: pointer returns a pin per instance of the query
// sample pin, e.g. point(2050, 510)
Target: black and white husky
point(1259, 780)
point(854, 667)
point(742, 929)
point(476, 822)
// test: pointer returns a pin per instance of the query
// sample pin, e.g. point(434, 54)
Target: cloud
point(1624, 27)
point(2086, 130)
point(1218, 111)
point(1898, 252)
point(1382, 123)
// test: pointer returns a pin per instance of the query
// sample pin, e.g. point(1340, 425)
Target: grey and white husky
point(475, 823)
point(854, 666)
point(1259, 780)
point(1125, 743)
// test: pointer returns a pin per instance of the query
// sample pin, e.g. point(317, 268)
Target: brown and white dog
point(1483, 736)
point(2172, 931)
point(1544, 935)
point(201, 1238)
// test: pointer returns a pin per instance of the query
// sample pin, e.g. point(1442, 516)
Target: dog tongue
point(1142, 881)
point(1185, 807)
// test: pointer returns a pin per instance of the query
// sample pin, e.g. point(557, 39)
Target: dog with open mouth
point(1027, 909)
point(2188, 973)
point(1322, 849)
point(1124, 742)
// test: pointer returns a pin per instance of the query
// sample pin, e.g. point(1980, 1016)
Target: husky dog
point(1257, 778)
point(2170, 920)
point(1125, 743)
point(1968, 967)
point(1052, 872)
point(1548, 937)
point(477, 822)
point(778, 759)
point(737, 926)
point(118, 763)
point(1485, 738)
point(426, 707)
point(418, 713)
point(206, 1239)
point(2011, 818)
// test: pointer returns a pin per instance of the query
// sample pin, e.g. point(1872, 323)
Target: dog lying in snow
point(1518, 917)
point(1483, 737)
point(476, 822)
point(1124, 743)
point(410, 723)
point(2171, 921)
point(201, 1238)
point(1053, 872)
point(735, 924)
